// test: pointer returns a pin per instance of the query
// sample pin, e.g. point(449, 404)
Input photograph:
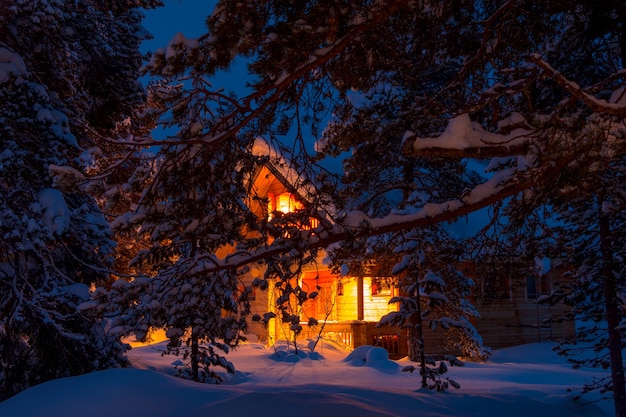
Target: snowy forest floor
point(528, 380)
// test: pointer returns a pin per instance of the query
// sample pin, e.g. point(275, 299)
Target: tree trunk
point(195, 357)
point(612, 317)
point(295, 343)
point(413, 342)
point(416, 339)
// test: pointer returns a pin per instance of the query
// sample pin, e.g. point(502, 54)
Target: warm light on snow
point(523, 381)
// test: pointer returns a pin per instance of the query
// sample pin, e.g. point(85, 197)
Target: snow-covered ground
point(523, 381)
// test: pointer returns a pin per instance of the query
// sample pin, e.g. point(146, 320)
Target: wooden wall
point(519, 318)
point(503, 322)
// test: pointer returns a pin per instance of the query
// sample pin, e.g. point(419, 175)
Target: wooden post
point(271, 307)
point(359, 298)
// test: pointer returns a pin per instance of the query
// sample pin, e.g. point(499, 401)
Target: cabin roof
point(276, 175)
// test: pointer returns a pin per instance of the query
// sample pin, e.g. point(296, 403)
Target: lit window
point(286, 203)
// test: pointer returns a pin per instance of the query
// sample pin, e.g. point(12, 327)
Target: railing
point(391, 342)
point(349, 334)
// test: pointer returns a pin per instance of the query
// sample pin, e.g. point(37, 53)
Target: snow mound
point(373, 357)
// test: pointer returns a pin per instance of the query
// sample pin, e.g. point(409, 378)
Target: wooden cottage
point(348, 308)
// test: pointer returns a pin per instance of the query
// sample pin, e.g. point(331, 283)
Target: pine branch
point(595, 104)
point(367, 227)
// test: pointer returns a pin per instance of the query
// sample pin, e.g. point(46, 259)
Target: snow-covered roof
point(284, 170)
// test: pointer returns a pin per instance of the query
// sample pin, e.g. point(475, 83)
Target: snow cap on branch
point(462, 134)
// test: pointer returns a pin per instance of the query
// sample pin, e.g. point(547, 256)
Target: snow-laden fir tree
point(67, 71)
point(190, 213)
point(594, 264)
point(431, 273)
point(579, 225)
point(434, 296)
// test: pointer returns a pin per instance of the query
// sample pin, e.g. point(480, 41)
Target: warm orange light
point(285, 203)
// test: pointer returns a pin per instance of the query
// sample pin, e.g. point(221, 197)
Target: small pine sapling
point(433, 370)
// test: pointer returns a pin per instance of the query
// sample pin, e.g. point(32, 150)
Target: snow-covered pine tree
point(430, 300)
point(579, 225)
point(575, 106)
point(593, 262)
point(192, 210)
point(190, 214)
point(67, 69)
point(430, 272)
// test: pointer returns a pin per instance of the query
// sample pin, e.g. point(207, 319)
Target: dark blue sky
point(185, 16)
point(188, 17)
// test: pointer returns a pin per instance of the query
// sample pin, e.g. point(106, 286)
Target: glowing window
point(287, 203)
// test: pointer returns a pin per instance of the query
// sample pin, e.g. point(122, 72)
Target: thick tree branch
point(595, 104)
point(357, 225)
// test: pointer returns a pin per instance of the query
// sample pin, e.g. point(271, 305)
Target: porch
point(355, 333)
